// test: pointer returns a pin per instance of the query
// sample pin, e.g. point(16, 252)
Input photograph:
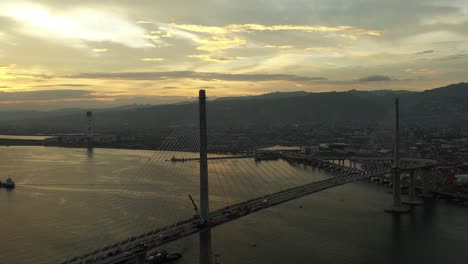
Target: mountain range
point(443, 106)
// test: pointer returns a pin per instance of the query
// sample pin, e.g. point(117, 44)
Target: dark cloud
point(45, 95)
point(425, 52)
point(61, 85)
point(207, 76)
point(207, 87)
point(376, 78)
point(4, 87)
point(452, 57)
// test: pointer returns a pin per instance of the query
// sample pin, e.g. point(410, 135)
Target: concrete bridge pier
point(412, 189)
point(397, 207)
point(426, 184)
point(206, 255)
point(140, 259)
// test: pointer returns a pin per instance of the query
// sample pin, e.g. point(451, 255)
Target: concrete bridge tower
point(397, 207)
point(204, 203)
point(204, 236)
point(89, 131)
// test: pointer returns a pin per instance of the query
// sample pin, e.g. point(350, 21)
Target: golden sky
point(56, 53)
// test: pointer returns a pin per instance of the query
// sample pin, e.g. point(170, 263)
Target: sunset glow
point(323, 46)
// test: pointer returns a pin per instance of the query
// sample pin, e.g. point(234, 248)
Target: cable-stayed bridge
point(363, 164)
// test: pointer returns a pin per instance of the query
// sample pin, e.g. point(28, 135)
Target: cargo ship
point(8, 184)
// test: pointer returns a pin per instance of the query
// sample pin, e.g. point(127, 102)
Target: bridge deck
point(133, 246)
point(127, 249)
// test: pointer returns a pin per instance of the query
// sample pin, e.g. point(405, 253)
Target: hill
point(436, 107)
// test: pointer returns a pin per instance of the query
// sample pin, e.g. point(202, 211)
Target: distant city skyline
point(55, 54)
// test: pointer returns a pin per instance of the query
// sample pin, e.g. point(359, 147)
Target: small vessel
point(9, 184)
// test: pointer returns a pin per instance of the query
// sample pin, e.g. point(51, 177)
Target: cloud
point(58, 99)
point(152, 59)
point(4, 87)
point(425, 52)
point(279, 46)
point(215, 43)
point(216, 38)
point(99, 50)
point(6, 97)
point(376, 78)
point(61, 85)
point(242, 28)
point(75, 26)
point(11, 72)
point(215, 58)
point(194, 75)
point(152, 37)
point(452, 57)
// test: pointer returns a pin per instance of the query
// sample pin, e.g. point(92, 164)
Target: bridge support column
point(426, 188)
point(206, 256)
point(140, 259)
point(412, 189)
point(204, 203)
point(397, 207)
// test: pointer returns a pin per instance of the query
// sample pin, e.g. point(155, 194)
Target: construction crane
point(196, 209)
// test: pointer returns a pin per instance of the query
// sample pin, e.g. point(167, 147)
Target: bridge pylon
point(205, 256)
point(89, 130)
point(397, 207)
point(204, 195)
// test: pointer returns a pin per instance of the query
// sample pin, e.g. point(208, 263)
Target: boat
point(9, 184)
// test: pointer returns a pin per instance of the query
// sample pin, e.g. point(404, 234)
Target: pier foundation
point(413, 200)
point(206, 255)
point(397, 207)
point(140, 259)
point(426, 184)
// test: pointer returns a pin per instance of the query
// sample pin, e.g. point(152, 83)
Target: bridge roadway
point(407, 163)
point(126, 250)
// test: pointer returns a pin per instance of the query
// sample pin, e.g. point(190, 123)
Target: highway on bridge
point(125, 251)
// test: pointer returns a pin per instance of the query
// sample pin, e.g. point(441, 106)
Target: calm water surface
point(23, 137)
point(68, 202)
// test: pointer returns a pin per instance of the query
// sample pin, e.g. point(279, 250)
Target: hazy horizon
point(42, 99)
